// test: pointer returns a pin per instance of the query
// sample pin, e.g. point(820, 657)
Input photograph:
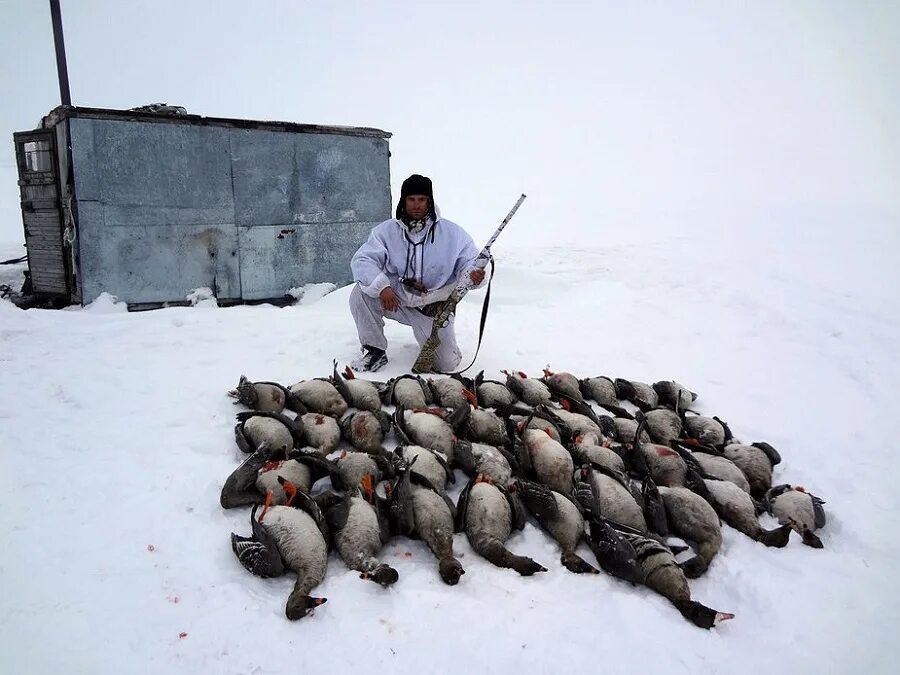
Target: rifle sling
point(484, 310)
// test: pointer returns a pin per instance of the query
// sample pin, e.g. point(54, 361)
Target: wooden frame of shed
point(149, 206)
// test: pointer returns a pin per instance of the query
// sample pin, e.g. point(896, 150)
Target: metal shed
point(148, 206)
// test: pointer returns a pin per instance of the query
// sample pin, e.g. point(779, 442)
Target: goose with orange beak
point(259, 474)
point(488, 514)
point(798, 508)
point(451, 392)
point(351, 467)
point(358, 521)
point(562, 385)
point(358, 393)
point(297, 534)
point(494, 463)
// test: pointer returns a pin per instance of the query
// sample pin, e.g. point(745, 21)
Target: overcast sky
point(618, 119)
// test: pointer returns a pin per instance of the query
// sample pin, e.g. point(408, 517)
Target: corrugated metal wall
point(164, 208)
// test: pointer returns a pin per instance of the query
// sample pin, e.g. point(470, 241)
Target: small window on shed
point(37, 155)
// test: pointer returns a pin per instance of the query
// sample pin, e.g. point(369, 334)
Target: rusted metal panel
point(277, 258)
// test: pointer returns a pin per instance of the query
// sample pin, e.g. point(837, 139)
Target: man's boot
point(372, 359)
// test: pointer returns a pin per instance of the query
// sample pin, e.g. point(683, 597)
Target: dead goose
point(276, 431)
point(661, 462)
point(492, 394)
point(519, 417)
point(798, 508)
point(419, 509)
point(603, 390)
point(675, 395)
point(450, 392)
point(626, 427)
point(321, 431)
point(488, 513)
point(615, 498)
point(693, 519)
point(258, 476)
point(492, 462)
point(737, 508)
point(756, 461)
point(429, 464)
point(546, 459)
point(563, 385)
point(263, 396)
point(572, 424)
point(296, 533)
point(559, 516)
point(430, 427)
point(636, 557)
point(640, 394)
point(705, 430)
point(658, 571)
point(528, 390)
point(485, 426)
point(365, 430)
point(358, 522)
point(350, 467)
point(358, 393)
point(410, 391)
point(712, 465)
point(663, 425)
point(320, 396)
point(584, 453)
point(301, 469)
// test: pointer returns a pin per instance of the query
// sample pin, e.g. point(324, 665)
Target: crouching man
point(406, 268)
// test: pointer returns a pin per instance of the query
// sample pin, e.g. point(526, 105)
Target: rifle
point(425, 362)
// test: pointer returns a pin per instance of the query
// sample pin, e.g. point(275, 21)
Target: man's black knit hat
point(416, 185)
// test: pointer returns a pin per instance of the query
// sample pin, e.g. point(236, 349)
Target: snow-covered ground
point(117, 436)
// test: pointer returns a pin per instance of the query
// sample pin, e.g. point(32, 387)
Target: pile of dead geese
point(623, 482)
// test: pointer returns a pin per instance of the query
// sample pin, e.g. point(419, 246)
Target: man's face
point(416, 206)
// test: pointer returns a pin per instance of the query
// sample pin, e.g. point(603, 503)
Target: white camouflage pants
point(369, 316)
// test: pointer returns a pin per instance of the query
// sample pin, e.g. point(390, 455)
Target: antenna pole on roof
point(61, 70)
